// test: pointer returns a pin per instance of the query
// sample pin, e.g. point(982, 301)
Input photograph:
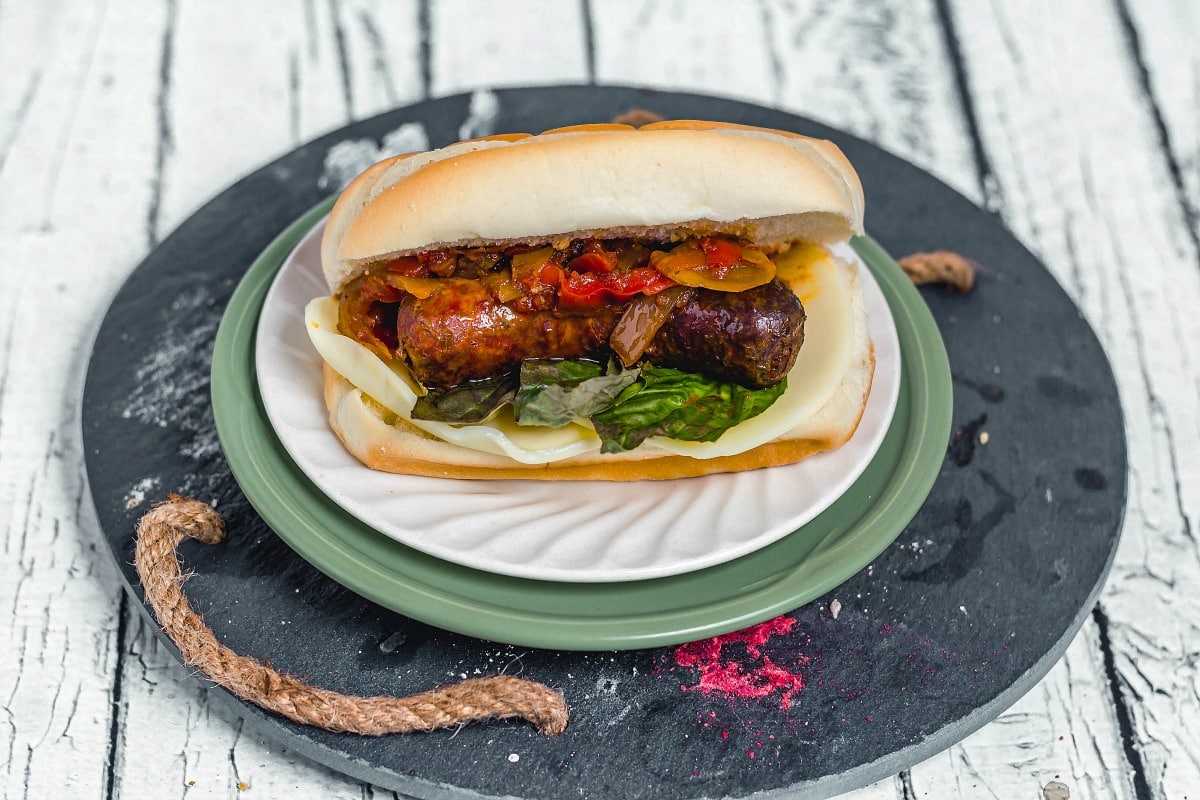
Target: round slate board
point(969, 608)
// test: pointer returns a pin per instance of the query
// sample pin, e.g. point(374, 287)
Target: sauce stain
point(1092, 480)
point(962, 442)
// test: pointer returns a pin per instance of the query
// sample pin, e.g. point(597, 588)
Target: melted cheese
point(823, 360)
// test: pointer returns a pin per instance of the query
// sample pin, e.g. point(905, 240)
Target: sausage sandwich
point(596, 302)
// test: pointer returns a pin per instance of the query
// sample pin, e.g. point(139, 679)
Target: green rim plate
point(588, 616)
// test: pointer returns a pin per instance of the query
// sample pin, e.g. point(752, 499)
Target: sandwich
point(595, 303)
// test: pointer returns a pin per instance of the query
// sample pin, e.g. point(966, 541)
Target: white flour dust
point(481, 119)
point(171, 392)
point(173, 379)
point(137, 494)
point(346, 159)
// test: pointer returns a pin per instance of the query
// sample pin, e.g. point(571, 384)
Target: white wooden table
point(1077, 120)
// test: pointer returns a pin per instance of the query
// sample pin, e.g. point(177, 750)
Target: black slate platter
point(969, 608)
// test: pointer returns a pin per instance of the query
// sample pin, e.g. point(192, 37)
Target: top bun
point(661, 181)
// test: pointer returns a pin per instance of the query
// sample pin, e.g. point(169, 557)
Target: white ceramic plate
point(548, 530)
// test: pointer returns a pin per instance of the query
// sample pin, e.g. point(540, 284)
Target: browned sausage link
point(751, 337)
point(461, 333)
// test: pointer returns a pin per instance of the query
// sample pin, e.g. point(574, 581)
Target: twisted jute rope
point(940, 266)
point(159, 533)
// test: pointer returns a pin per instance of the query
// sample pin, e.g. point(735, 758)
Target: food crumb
point(191, 783)
point(242, 786)
point(1056, 791)
point(835, 608)
point(983, 437)
point(513, 758)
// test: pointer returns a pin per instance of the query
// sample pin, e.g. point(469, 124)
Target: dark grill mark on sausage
point(751, 337)
point(455, 335)
point(462, 334)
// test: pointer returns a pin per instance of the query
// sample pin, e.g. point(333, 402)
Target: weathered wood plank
point(175, 743)
point(707, 46)
point(886, 78)
point(877, 70)
point(529, 42)
point(1160, 38)
point(329, 63)
point(1082, 179)
point(67, 217)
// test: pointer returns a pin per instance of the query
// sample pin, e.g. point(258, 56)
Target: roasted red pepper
point(720, 254)
point(377, 290)
point(550, 274)
point(440, 263)
point(593, 262)
point(589, 290)
point(409, 266)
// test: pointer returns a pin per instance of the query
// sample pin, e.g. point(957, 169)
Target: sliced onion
point(682, 265)
point(632, 255)
point(642, 319)
point(687, 266)
point(502, 287)
point(418, 287)
point(527, 266)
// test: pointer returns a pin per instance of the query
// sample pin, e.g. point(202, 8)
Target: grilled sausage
point(460, 334)
point(751, 337)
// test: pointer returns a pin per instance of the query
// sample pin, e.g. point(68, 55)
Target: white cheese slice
point(825, 291)
point(814, 275)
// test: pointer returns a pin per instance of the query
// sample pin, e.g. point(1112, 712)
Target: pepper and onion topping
point(709, 305)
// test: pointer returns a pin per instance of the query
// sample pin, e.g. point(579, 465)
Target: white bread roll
point(666, 181)
point(663, 181)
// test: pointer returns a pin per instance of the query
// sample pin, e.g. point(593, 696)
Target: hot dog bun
point(666, 181)
point(662, 181)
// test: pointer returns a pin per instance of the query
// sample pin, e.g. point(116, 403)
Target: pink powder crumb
point(757, 676)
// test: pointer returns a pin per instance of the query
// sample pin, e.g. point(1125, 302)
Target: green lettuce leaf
point(554, 392)
point(626, 406)
point(678, 405)
point(469, 402)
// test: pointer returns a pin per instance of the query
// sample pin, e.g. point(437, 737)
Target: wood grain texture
point(332, 62)
point(1082, 178)
point(118, 120)
point(529, 42)
point(62, 602)
point(1160, 41)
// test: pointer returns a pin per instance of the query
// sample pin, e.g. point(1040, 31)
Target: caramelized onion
point(502, 287)
point(687, 265)
point(417, 287)
point(527, 266)
point(499, 284)
point(642, 319)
